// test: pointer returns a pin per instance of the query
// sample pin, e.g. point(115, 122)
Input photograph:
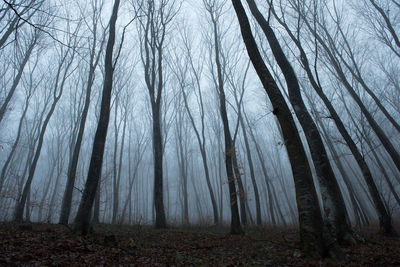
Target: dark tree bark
point(310, 219)
point(387, 144)
point(230, 152)
point(335, 214)
point(252, 175)
point(73, 164)
point(385, 221)
point(82, 219)
point(96, 209)
point(153, 24)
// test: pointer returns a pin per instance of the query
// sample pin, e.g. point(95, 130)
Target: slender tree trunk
point(266, 179)
point(46, 190)
point(252, 175)
point(236, 228)
point(335, 214)
point(385, 222)
point(85, 207)
point(310, 218)
point(19, 209)
point(15, 144)
point(73, 165)
point(17, 78)
point(54, 194)
point(201, 142)
point(241, 191)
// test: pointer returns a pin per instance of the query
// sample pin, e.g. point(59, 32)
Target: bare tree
point(314, 79)
point(310, 219)
point(214, 9)
point(30, 88)
point(155, 17)
point(15, 15)
point(63, 72)
point(31, 43)
point(190, 79)
point(85, 207)
point(94, 58)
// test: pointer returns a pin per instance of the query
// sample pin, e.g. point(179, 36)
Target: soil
point(34, 244)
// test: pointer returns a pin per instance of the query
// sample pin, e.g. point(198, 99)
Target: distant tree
point(63, 72)
point(14, 15)
point(189, 79)
point(154, 20)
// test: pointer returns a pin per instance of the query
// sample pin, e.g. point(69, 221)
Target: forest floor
point(110, 245)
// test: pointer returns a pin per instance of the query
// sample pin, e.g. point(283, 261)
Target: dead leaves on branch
point(49, 245)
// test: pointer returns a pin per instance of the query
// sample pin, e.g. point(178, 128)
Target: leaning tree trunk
point(384, 218)
point(310, 219)
point(201, 141)
point(17, 78)
point(82, 219)
point(73, 165)
point(387, 144)
point(236, 228)
point(19, 209)
point(335, 214)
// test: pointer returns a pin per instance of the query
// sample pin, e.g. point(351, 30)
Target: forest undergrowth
point(139, 245)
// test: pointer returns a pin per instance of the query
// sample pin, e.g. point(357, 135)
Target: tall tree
point(313, 77)
point(63, 72)
point(310, 219)
point(94, 58)
point(85, 207)
point(31, 43)
point(154, 22)
point(189, 80)
point(215, 10)
point(336, 221)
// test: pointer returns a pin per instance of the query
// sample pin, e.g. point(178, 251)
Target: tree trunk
point(85, 207)
point(17, 78)
point(252, 175)
point(160, 220)
point(72, 167)
point(310, 218)
point(335, 214)
point(201, 142)
point(19, 209)
point(367, 175)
